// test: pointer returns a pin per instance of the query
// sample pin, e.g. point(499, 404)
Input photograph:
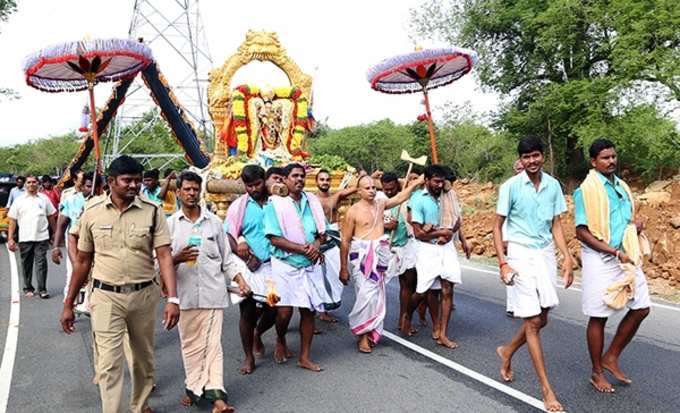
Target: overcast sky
point(335, 41)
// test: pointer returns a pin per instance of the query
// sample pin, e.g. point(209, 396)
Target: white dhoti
point(434, 262)
point(402, 259)
point(598, 274)
point(368, 263)
point(331, 286)
point(535, 286)
point(298, 287)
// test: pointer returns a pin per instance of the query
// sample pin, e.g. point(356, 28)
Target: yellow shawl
point(596, 203)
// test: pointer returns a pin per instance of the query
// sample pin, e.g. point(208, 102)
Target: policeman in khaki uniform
point(117, 237)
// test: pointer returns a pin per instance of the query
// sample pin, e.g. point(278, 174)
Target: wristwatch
point(173, 300)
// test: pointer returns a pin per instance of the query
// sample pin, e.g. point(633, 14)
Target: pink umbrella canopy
point(61, 68)
point(429, 69)
point(75, 66)
point(421, 71)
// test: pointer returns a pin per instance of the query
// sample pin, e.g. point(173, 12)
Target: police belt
point(125, 288)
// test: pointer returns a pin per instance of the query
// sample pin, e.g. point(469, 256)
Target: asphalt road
point(52, 371)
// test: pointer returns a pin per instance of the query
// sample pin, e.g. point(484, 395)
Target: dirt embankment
point(658, 204)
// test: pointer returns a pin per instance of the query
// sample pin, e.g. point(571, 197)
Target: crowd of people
point(281, 248)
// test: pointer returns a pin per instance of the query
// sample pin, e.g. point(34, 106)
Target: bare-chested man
point(366, 246)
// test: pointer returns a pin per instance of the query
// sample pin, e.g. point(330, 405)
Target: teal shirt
point(399, 235)
point(424, 208)
point(529, 213)
point(154, 196)
point(72, 207)
point(620, 210)
point(272, 228)
point(252, 229)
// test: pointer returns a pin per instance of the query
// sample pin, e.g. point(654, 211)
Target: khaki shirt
point(123, 242)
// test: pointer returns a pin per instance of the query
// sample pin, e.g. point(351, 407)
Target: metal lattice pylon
point(174, 31)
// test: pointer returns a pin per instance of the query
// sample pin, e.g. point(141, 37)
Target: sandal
point(44, 295)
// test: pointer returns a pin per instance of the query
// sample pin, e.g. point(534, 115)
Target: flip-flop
point(44, 296)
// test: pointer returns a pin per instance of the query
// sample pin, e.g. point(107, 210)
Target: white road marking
point(9, 354)
point(483, 269)
point(525, 398)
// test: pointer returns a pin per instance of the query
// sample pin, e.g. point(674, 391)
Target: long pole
point(430, 127)
point(95, 135)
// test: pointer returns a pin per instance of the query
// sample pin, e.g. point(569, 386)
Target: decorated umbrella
point(421, 71)
point(76, 66)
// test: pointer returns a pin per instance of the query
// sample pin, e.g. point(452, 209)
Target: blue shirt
point(154, 196)
point(529, 213)
point(620, 210)
point(424, 208)
point(72, 207)
point(252, 229)
point(14, 193)
point(272, 228)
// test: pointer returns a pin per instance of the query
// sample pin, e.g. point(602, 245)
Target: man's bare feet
point(600, 383)
point(309, 365)
point(186, 401)
point(364, 345)
point(506, 370)
point(611, 364)
point(258, 346)
point(446, 342)
point(147, 409)
point(220, 406)
point(327, 317)
point(248, 366)
point(435, 331)
point(550, 401)
point(407, 328)
point(281, 353)
point(317, 331)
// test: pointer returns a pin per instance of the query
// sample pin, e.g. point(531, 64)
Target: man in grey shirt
point(202, 259)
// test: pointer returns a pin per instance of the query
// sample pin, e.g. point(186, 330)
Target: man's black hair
point(46, 178)
point(450, 175)
point(88, 176)
point(152, 173)
point(23, 178)
point(252, 173)
point(291, 166)
point(389, 177)
point(435, 170)
point(125, 165)
point(274, 170)
point(189, 176)
point(598, 146)
point(529, 144)
point(322, 171)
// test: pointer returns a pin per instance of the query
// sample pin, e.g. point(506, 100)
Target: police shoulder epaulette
point(92, 202)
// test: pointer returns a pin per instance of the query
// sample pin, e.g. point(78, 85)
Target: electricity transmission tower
point(174, 31)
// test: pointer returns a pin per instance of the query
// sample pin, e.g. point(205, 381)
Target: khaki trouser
point(113, 315)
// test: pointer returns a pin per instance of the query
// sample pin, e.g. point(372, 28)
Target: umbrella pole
point(95, 134)
point(430, 127)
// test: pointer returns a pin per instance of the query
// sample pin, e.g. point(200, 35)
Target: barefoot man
point(610, 254)
point(435, 217)
point(330, 203)
point(531, 202)
point(202, 259)
point(403, 257)
point(296, 227)
point(369, 255)
point(245, 228)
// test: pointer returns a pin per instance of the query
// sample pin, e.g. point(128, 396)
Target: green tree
point(572, 70)
point(373, 146)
